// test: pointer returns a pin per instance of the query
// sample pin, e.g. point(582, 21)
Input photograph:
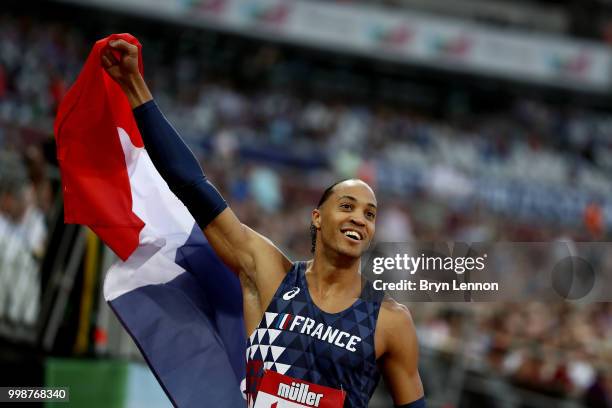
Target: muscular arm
point(399, 361)
point(241, 248)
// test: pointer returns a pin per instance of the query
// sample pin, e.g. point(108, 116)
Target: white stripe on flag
point(167, 227)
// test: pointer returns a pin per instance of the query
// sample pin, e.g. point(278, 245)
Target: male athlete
point(313, 321)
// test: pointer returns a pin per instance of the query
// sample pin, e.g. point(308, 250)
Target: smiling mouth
point(354, 235)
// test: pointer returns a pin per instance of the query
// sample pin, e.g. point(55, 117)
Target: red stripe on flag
point(94, 175)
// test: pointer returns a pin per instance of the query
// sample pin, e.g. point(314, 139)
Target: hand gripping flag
point(176, 299)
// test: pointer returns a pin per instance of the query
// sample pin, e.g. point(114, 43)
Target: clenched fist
point(120, 60)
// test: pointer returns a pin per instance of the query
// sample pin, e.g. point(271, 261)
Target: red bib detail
point(281, 391)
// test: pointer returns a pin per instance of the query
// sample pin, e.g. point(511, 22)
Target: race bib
point(281, 391)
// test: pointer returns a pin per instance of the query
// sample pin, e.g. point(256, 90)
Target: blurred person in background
point(42, 190)
point(19, 215)
point(23, 235)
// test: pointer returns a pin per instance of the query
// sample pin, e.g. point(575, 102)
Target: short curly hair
point(322, 200)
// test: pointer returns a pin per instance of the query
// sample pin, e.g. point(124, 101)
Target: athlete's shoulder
point(394, 314)
point(395, 327)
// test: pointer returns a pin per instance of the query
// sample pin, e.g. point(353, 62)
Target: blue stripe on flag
point(220, 288)
point(190, 330)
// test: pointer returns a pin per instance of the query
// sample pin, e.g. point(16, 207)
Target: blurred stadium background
point(476, 120)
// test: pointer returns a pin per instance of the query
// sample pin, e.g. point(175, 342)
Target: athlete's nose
point(358, 221)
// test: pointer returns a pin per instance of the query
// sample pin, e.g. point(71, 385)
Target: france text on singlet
point(298, 339)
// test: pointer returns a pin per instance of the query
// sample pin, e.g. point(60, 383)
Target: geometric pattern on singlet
point(298, 339)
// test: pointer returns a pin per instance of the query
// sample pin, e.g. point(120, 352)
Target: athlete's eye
point(370, 215)
point(346, 206)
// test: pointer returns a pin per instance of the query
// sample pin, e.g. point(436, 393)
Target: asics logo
point(291, 294)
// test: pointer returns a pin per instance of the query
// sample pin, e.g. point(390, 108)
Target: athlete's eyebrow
point(348, 197)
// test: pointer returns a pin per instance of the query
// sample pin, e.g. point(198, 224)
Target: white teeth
point(353, 234)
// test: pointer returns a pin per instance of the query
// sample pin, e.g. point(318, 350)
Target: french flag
point(177, 300)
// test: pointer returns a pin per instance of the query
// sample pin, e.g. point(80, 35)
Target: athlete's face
point(346, 221)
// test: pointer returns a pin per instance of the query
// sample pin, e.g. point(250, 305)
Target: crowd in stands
point(540, 16)
point(244, 136)
point(555, 349)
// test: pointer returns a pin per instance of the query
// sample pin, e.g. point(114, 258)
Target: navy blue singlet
point(298, 339)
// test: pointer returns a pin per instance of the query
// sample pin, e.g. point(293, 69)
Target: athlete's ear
point(316, 218)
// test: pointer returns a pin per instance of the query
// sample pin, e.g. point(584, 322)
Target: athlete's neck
point(334, 275)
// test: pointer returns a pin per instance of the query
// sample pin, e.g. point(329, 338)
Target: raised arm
point(241, 248)
point(399, 361)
